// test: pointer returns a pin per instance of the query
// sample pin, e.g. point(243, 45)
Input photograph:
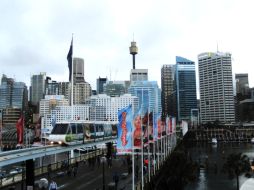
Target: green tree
point(236, 165)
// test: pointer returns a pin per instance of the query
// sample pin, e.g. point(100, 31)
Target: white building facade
point(216, 87)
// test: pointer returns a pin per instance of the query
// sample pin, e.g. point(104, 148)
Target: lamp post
point(103, 160)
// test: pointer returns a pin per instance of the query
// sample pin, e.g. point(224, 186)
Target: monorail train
point(79, 131)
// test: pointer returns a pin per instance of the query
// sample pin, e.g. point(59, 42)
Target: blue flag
point(69, 58)
point(124, 129)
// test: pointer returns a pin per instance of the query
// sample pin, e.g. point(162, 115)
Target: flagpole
point(133, 159)
point(72, 84)
point(154, 165)
point(148, 151)
point(142, 156)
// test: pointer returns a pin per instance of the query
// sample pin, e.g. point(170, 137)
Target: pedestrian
point(116, 179)
point(49, 170)
point(53, 185)
point(75, 171)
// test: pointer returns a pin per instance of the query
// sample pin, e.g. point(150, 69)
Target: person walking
point(116, 179)
point(53, 185)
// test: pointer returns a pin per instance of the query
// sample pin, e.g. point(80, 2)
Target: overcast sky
point(35, 35)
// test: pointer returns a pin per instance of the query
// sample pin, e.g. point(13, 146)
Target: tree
point(179, 170)
point(236, 165)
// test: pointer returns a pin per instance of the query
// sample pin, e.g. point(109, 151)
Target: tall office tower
point(242, 84)
point(242, 93)
point(167, 87)
point(78, 70)
point(64, 89)
point(116, 88)
point(81, 92)
point(37, 88)
point(186, 94)
point(51, 87)
point(13, 94)
point(100, 82)
point(149, 95)
point(139, 75)
point(216, 87)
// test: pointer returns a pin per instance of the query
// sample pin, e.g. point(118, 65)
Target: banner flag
point(20, 130)
point(168, 125)
point(137, 130)
point(124, 129)
point(163, 128)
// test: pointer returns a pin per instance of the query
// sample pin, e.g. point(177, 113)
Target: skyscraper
point(242, 84)
point(167, 87)
point(186, 95)
point(38, 87)
point(100, 83)
point(13, 94)
point(216, 87)
point(78, 70)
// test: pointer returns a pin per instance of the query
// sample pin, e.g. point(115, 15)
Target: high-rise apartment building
point(81, 92)
point(185, 88)
point(149, 95)
point(100, 82)
point(38, 83)
point(216, 87)
point(64, 89)
point(167, 88)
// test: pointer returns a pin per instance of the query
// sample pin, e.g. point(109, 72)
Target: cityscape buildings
point(216, 87)
point(78, 70)
point(116, 88)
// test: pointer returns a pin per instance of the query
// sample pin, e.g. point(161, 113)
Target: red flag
point(20, 130)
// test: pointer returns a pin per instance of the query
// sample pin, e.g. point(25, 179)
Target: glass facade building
point(149, 95)
point(185, 88)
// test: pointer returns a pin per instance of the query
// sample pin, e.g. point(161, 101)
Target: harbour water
point(214, 156)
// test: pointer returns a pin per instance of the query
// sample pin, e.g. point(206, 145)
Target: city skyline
point(36, 36)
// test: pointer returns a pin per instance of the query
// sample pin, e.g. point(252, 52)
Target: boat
point(214, 141)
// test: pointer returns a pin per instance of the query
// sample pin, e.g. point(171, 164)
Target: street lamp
point(103, 160)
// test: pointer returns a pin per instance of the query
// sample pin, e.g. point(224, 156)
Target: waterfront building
point(148, 93)
point(38, 83)
point(167, 88)
point(100, 82)
point(216, 87)
point(106, 108)
point(64, 113)
point(185, 88)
